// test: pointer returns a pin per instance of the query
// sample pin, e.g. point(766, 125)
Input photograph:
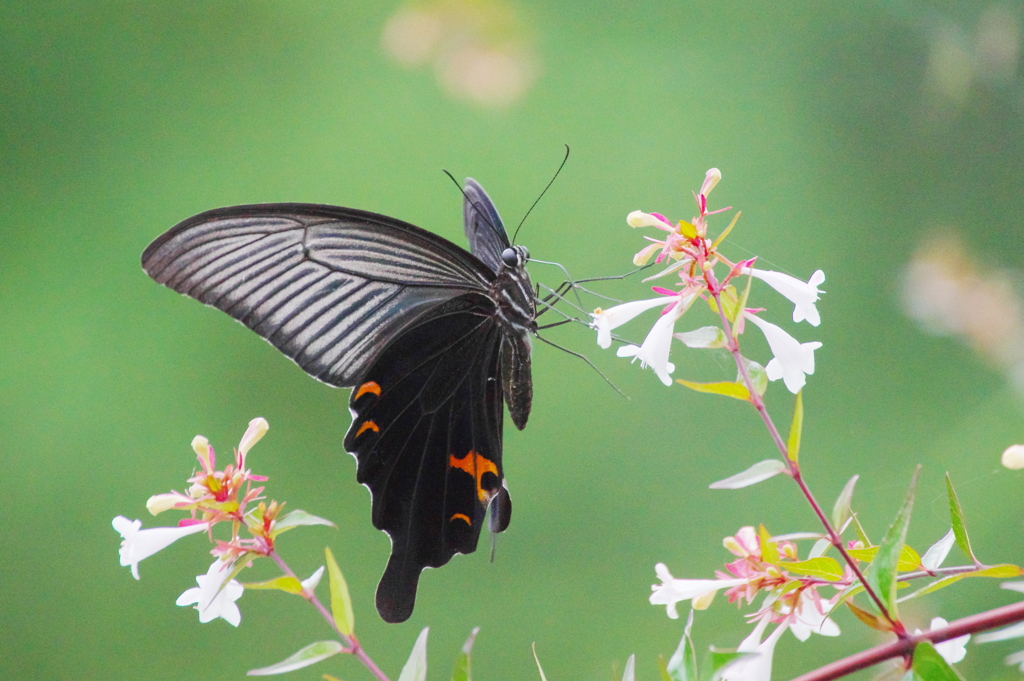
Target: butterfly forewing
point(328, 286)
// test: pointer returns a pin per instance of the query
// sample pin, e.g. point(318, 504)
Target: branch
point(1008, 614)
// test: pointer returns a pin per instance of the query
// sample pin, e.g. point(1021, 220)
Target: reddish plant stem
point(732, 344)
point(903, 647)
point(350, 642)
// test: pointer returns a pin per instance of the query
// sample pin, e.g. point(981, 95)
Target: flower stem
point(350, 642)
point(732, 344)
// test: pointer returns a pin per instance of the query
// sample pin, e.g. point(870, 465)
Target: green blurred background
point(848, 133)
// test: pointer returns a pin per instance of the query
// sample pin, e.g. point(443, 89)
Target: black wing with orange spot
point(426, 432)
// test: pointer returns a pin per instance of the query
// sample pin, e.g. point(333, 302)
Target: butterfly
point(430, 337)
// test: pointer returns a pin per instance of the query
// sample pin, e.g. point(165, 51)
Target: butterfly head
point(515, 256)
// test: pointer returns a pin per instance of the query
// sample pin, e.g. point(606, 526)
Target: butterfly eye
point(510, 257)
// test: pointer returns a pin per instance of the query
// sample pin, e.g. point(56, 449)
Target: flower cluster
point(791, 601)
point(689, 252)
point(216, 496)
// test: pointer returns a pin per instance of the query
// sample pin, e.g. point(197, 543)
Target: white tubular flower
point(793, 360)
point(614, 317)
point(756, 667)
point(210, 599)
point(672, 590)
point(655, 348)
point(953, 650)
point(809, 619)
point(139, 544)
point(803, 296)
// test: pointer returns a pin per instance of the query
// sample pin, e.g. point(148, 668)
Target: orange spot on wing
point(367, 425)
point(462, 516)
point(476, 465)
point(368, 387)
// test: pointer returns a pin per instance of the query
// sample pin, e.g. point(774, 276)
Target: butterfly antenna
point(562, 165)
point(584, 358)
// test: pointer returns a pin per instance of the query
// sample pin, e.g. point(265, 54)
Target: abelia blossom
point(952, 650)
point(213, 598)
point(655, 349)
point(758, 666)
point(139, 544)
point(672, 590)
point(612, 318)
point(793, 360)
point(802, 295)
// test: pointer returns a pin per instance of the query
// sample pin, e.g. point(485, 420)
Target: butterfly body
point(431, 339)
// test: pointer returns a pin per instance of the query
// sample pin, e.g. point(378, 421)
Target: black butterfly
point(428, 336)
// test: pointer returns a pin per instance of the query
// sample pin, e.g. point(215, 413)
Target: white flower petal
point(210, 599)
point(672, 590)
point(311, 582)
point(810, 620)
point(655, 349)
point(938, 551)
point(952, 650)
point(139, 544)
point(1013, 457)
point(614, 317)
point(802, 295)
point(793, 359)
point(757, 667)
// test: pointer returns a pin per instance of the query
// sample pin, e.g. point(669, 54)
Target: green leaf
point(881, 575)
point(663, 669)
point(759, 472)
point(956, 514)
point(537, 660)
point(1003, 571)
point(682, 666)
point(727, 388)
point(841, 509)
point(928, 665)
point(296, 518)
point(341, 602)
point(769, 549)
point(720, 660)
point(793, 447)
point(311, 654)
point(822, 568)
point(909, 559)
point(461, 671)
point(870, 619)
point(415, 668)
point(289, 585)
point(861, 534)
point(721, 237)
point(757, 373)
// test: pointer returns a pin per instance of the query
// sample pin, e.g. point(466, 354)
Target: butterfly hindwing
point(426, 433)
point(327, 286)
